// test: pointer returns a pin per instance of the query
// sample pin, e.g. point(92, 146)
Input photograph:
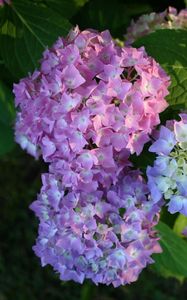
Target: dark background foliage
point(21, 276)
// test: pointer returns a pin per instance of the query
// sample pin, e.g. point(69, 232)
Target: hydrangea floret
point(168, 19)
point(167, 178)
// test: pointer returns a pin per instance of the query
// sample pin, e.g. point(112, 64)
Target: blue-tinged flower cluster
point(107, 236)
point(167, 179)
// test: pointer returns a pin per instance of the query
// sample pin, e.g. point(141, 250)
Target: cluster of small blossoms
point(167, 178)
point(168, 19)
point(90, 95)
point(106, 236)
point(84, 111)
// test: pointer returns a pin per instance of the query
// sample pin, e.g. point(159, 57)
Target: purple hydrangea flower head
point(89, 94)
point(168, 19)
point(167, 178)
point(107, 236)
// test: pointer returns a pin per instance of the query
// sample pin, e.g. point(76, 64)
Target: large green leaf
point(6, 138)
point(7, 115)
point(66, 8)
point(26, 31)
point(112, 15)
point(86, 291)
point(7, 110)
point(5, 74)
point(169, 48)
point(173, 260)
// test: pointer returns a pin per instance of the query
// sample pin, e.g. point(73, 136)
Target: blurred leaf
point(173, 260)
point(86, 291)
point(5, 74)
point(180, 224)
point(7, 111)
point(169, 48)
point(113, 15)
point(66, 8)
point(167, 218)
point(7, 114)
point(27, 30)
point(6, 139)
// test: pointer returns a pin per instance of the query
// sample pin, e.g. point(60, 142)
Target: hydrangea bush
point(89, 106)
point(91, 111)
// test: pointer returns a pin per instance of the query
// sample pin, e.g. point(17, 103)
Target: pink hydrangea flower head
point(168, 19)
point(107, 236)
point(90, 95)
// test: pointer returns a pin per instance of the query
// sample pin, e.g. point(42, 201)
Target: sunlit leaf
point(26, 31)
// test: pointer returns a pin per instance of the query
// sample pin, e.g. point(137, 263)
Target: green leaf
point(173, 260)
point(86, 291)
point(7, 115)
point(113, 15)
point(5, 74)
point(6, 139)
point(66, 8)
point(167, 218)
point(26, 31)
point(169, 48)
point(180, 224)
point(7, 110)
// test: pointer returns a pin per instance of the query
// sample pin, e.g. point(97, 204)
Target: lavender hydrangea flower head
point(89, 100)
point(107, 236)
point(168, 19)
point(168, 177)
